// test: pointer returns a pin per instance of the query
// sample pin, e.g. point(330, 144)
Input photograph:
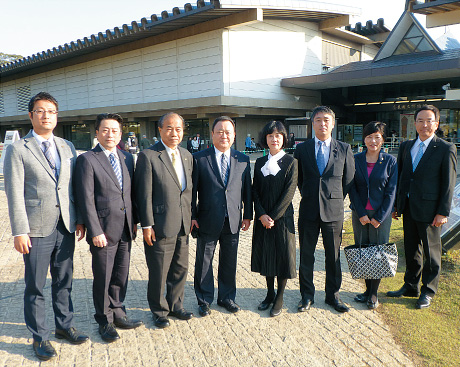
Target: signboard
point(10, 138)
point(450, 232)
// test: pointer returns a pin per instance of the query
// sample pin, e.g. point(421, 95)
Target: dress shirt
point(326, 149)
point(219, 158)
point(52, 148)
point(416, 146)
point(179, 167)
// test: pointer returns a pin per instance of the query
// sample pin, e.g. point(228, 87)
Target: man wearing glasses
point(221, 185)
point(38, 182)
point(426, 180)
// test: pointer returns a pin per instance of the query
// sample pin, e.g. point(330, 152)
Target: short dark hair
point(166, 116)
point(375, 127)
point(323, 109)
point(42, 96)
point(108, 116)
point(428, 107)
point(222, 118)
point(269, 129)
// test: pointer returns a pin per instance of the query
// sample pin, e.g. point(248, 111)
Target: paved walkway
point(320, 337)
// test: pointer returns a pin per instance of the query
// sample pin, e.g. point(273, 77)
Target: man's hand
point(100, 241)
point(194, 224)
point(246, 224)
point(149, 235)
point(266, 221)
point(364, 220)
point(80, 231)
point(22, 244)
point(375, 223)
point(439, 220)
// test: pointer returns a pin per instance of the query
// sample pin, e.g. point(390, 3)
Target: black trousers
point(110, 270)
point(332, 238)
point(167, 261)
point(56, 252)
point(421, 239)
point(226, 277)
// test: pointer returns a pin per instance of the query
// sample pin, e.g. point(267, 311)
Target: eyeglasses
point(427, 122)
point(225, 132)
point(370, 138)
point(42, 112)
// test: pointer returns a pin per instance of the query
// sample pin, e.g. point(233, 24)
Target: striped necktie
point(49, 157)
point(116, 168)
point(320, 158)
point(418, 156)
point(224, 169)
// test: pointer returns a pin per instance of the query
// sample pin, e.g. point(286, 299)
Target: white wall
point(257, 56)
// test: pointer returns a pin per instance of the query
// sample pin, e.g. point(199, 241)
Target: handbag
point(372, 261)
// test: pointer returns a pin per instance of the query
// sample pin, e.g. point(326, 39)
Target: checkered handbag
point(372, 261)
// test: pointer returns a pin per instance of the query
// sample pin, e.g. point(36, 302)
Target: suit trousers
point(226, 277)
point(167, 261)
point(421, 239)
point(110, 271)
point(56, 252)
point(332, 238)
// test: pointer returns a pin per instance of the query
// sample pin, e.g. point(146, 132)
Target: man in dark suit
point(163, 183)
point(103, 195)
point(38, 183)
point(427, 172)
point(326, 171)
point(222, 185)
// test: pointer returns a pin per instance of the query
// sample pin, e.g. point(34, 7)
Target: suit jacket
point(379, 187)
point(212, 195)
point(36, 199)
point(431, 186)
point(323, 195)
point(102, 204)
point(159, 196)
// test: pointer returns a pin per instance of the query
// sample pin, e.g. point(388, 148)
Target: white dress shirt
point(52, 148)
point(179, 167)
point(326, 149)
point(416, 146)
point(219, 158)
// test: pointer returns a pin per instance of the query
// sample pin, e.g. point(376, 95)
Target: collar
point(219, 153)
point(426, 141)
point(277, 156)
point(327, 142)
point(41, 139)
point(169, 150)
point(108, 152)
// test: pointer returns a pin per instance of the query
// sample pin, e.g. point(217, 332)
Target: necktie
point(224, 169)
point(176, 167)
point(49, 157)
point(116, 169)
point(418, 156)
point(320, 158)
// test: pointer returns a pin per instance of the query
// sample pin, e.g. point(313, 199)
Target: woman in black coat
point(273, 241)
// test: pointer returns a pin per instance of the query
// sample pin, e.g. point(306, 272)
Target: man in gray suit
point(163, 191)
point(38, 181)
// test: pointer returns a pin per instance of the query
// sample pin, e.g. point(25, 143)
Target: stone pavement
point(320, 337)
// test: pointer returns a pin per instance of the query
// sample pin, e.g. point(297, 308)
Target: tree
point(6, 58)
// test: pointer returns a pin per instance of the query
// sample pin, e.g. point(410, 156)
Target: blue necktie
point(418, 156)
point(116, 169)
point(49, 157)
point(320, 158)
point(224, 169)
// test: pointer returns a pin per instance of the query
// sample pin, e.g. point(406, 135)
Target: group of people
point(194, 143)
point(53, 195)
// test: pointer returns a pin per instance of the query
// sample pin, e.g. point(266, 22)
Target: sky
point(30, 26)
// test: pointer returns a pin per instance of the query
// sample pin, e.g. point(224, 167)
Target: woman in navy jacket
point(372, 197)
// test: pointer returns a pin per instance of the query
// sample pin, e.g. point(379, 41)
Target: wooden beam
point(443, 19)
point(334, 22)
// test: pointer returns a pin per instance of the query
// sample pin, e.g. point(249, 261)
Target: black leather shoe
point(361, 298)
point(265, 304)
point(229, 305)
point(108, 333)
point(72, 335)
point(181, 314)
point(371, 305)
point(338, 305)
point(160, 321)
point(405, 291)
point(423, 302)
point(44, 350)
point(305, 304)
point(125, 323)
point(275, 312)
point(204, 310)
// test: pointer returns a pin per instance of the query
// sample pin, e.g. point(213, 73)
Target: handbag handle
point(361, 239)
